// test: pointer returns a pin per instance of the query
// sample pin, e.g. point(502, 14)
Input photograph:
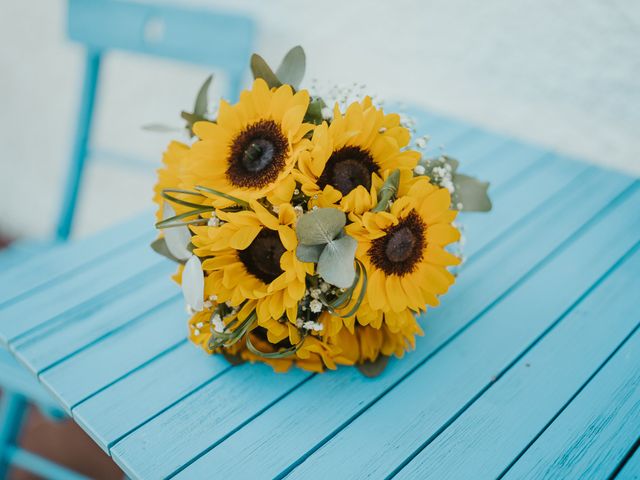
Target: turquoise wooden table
point(529, 369)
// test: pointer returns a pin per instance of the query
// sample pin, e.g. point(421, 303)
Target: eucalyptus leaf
point(191, 119)
point(336, 263)
point(314, 111)
point(471, 193)
point(160, 128)
point(159, 245)
point(309, 253)
point(292, 68)
point(375, 368)
point(320, 226)
point(261, 69)
point(202, 99)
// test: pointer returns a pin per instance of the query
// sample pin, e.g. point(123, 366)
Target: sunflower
point(348, 157)
point(250, 150)
point(366, 343)
point(169, 175)
point(403, 251)
point(251, 264)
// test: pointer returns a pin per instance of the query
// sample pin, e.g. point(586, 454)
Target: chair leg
point(80, 145)
point(12, 412)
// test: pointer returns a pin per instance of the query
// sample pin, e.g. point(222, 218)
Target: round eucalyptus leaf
point(336, 264)
point(471, 193)
point(320, 226)
point(309, 253)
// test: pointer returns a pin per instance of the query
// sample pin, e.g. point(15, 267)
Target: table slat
point(465, 367)
point(79, 291)
point(540, 384)
point(97, 366)
point(595, 432)
point(303, 420)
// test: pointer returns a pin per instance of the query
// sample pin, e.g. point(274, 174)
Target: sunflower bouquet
point(307, 233)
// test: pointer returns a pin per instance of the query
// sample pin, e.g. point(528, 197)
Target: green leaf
point(202, 99)
point(191, 119)
point(261, 69)
point(314, 111)
point(335, 265)
point(387, 191)
point(309, 253)
point(320, 226)
point(160, 128)
point(471, 193)
point(159, 245)
point(375, 368)
point(292, 68)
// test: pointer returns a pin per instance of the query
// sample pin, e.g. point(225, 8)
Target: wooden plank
point(47, 267)
point(631, 469)
point(101, 364)
point(594, 433)
point(154, 388)
point(518, 200)
point(208, 415)
point(50, 344)
point(439, 389)
point(541, 383)
point(81, 292)
point(130, 457)
point(304, 420)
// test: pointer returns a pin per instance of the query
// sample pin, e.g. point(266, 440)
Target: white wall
point(561, 73)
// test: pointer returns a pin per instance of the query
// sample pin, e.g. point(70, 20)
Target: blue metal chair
point(217, 40)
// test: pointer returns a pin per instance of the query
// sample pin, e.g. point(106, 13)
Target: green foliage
point(388, 191)
point(199, 107)
point(320, 235)
point(159, 245)
point(290, 72)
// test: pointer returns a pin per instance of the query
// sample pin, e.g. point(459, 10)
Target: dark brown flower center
point(262, 257)
point(402, 248)
point(347, 169)
point(258, 155)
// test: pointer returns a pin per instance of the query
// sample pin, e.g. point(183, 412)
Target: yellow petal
point(287, 237)
point(263, 214)
point(244, 236)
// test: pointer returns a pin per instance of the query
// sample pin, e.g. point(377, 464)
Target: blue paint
point(218, 40)
point(540, 321)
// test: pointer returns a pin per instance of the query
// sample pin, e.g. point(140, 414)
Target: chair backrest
point(220, 40)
